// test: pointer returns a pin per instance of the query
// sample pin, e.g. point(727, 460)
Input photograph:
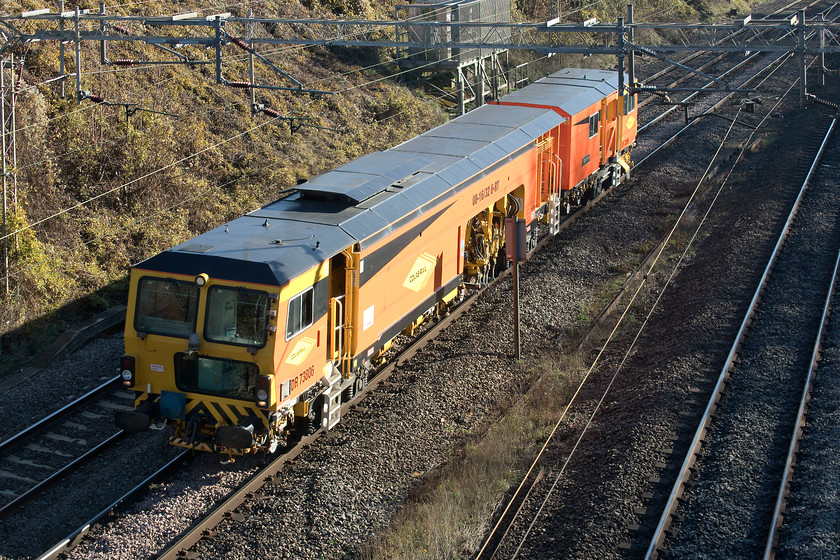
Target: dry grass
point(447, 515)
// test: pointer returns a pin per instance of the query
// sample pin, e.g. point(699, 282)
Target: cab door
point(547, 171)
point(608, 129)
point(344, 282)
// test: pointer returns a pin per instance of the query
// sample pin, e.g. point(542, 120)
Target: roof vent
point(266, 223)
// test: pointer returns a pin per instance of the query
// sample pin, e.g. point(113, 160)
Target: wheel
point(567, 208)
point(360, 383)
point(308, 425)
point(502, 263)
point(348, 393)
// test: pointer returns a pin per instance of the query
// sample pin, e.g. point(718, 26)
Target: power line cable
point(137, 220)
point(125, 185)
point(609, 339)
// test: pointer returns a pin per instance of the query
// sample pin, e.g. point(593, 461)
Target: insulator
point(96, 98)
point(824, 102)
point(271, 112)
point(121, 29)
point(240, 43)
point(240, 85)
point(124, 62)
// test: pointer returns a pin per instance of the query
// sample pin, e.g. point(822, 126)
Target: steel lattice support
point(169, 34)
point(219, 30)
point(8, 147)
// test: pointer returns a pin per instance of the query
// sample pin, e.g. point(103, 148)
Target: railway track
point(805, 517)
point(163, 473)
point(533, 488)
point(287, 459)
point(50, 450)
point(832, 337)
point(251, 489)
point(723, 498)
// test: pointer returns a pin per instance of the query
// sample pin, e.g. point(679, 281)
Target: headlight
point(127, 369)
point(263, 391)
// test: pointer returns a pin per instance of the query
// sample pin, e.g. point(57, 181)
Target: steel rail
point(784, 487)
point(176, 549)
point(73, 538)
point(707, 111)
point(12, 507)
point(718, 58)
point(91, 395)
point(694, 448)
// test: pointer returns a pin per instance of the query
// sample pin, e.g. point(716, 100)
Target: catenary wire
point(589, 371)
point(150, 216)
point(673, 273)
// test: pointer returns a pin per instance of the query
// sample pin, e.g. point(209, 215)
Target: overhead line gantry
point(804, 37)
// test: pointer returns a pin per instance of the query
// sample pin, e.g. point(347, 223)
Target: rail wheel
point(348, 393)
point(361, 380)
point(309, 424)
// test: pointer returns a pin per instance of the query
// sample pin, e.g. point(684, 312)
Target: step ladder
point(554, 210)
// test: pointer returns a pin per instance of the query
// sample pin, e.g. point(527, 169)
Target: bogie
point(267, 325)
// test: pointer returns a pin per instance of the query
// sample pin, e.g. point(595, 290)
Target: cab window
point(236, 316)
point(593, 124)
point(300, 313)
point(629, 103)
point(215, 376)
point(166, 306)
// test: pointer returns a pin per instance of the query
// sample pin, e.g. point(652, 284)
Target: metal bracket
point(677, 64)
point(295, 123)
point(228, 38)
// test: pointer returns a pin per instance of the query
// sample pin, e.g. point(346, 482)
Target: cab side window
point(629, 103)
point(300, 313)
point(593, 124)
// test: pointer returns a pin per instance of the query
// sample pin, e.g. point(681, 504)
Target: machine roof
point(572, 89)
point(359, 202)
